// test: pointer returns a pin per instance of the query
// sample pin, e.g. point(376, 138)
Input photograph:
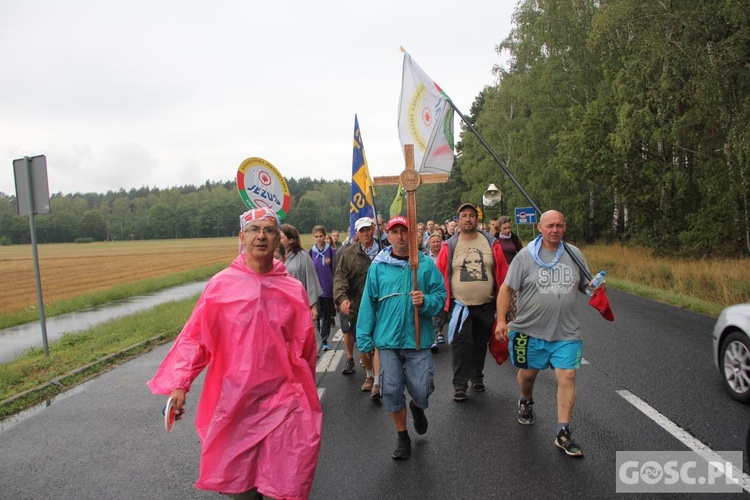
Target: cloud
point(125, 94)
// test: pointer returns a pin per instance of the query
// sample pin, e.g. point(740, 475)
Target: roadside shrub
point(84, 240)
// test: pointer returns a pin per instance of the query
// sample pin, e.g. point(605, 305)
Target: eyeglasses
point(267, 230)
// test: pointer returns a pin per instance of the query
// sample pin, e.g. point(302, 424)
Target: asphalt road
point(106, 440)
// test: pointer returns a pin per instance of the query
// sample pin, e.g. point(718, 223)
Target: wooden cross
point(410, 179)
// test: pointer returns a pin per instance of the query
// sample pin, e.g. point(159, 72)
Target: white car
point(731, 342)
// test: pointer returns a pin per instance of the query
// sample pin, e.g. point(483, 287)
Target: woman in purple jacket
point(322, 255)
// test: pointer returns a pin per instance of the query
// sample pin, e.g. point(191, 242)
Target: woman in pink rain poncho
point(259, 418)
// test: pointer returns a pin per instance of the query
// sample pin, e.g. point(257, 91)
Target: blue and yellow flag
point(362, 203)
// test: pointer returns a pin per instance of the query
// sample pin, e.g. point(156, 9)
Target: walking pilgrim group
point(259, 418)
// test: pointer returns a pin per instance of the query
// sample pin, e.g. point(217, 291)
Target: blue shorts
point(406, 368)
point(537, 354)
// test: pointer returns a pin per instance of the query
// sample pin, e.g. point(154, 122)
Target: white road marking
point(682, 435)
point(584, 361)
point(329, 361)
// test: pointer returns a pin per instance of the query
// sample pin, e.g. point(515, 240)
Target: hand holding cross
point(410, 179)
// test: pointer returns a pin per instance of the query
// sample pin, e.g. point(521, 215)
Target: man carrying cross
point(387, 321)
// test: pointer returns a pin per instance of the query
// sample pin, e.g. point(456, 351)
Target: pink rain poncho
point(259, 418)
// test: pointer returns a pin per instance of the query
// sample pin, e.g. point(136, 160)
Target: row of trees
point(630, 116)
point(209, 210)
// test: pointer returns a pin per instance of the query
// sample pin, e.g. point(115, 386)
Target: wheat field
point(68, 269)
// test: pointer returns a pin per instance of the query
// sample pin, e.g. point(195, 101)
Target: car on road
point(731, 346)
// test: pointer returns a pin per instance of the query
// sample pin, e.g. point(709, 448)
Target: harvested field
point(69, 270)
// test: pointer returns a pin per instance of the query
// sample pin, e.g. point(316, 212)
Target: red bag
point(498, 349)
point(600, 302)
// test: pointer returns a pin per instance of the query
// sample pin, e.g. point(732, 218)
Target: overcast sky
point(122, 94)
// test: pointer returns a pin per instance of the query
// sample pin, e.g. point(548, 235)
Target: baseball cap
point(399, 220)
point(363, 222)
point(468, 205)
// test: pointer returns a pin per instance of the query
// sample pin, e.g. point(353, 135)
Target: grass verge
point(671, 298)
point(117, 292)
point(33, 379)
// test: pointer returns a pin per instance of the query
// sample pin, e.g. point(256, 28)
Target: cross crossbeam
point(410, 179)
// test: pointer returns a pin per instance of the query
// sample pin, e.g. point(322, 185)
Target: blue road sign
point(525, 215)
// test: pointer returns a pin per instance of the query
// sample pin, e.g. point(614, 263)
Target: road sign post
point(32, 197)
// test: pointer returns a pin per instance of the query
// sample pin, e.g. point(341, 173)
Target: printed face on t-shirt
point(473, 268)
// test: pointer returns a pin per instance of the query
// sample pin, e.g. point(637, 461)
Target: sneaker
point(566, 443)
point(420, 419)
point(325, 346)
point(478, 387)
point(434, 347)
point(403, 447)
point(349, 367)
point(375, 392)
point(526, 412)
point(440, 338)
point(459, 395)
point(367, 386)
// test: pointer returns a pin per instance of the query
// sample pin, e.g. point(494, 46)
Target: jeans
point(406, 368)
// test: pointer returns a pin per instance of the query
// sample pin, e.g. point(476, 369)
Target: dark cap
point(468, 205)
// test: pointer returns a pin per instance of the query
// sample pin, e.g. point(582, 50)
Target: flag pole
point(371, 188)
point(497, 159)
point(499, 162)
point(578, 262)
point(375, 214)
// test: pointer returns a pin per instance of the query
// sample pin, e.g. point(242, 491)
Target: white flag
point(425, 119)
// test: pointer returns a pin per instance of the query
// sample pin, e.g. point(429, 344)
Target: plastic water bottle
point(596, 282)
